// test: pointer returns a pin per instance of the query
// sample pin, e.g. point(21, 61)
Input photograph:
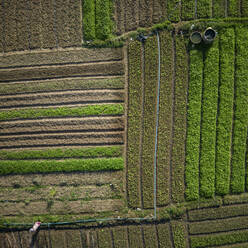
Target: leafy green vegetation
point(194, 125)
point(89, 19)
point(225, 113)
point(208, 128)
point(173, 10)
point(233, 8)
point(203, 9)
point(151, 65)
point(134, 122)
point(219, 239)
point(56, 85)
point(165, 118)
point(150, 236)
point(179, 125)
point(219, 9)
point(120, 237)
point(179, 234)
point(46, 166)
point(240, 114)
point(188, 9)
point(103, 109)
point(89, 152)
point(164, 235)
point(135, 236)
point(103, 19)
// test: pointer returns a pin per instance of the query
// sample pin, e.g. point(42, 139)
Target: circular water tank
point(209, 35)
point(196, 37)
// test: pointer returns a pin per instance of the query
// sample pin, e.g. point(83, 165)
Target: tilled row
point(61, 71)
point(83, 124)
point(74, 97)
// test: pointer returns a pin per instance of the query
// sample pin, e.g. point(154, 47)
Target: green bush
point(134, 123)
point(179, 119)
point(179, 234)
point(90, 110)
point(103, 19)
point(219, 9)
point(173, 10)
point(233, 8)
point(150, 93)
point(241, 113)
point(89, 19)
point(89, 152)
point(194, 125)
point(208, 127)
point(225, 113)
point(203, 9)
point(188, 9)
point(8, 167)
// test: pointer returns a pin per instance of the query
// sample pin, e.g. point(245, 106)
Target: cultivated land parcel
point(79, 135)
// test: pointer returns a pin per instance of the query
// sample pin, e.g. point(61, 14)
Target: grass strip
point(150, 238)
point(89, 20)
point(218, 8)
point(179, 234)
point(103, 19)
point(233, 8)
point(90, 110)
point(208, 128)
point(134, 122)
point(193, 125)
point(188, 9)
point(89, 152)
point(135, 236)
point(64, 84)
point(164, 235)
point(151, 67)
point(173, 10)
point(203, 9)
point(104, 238)
point(225, 115)
point(120, 237)
point(165, 119)
point(240, 114)
point(180, 111)
point(219, 239)
point(8, 167)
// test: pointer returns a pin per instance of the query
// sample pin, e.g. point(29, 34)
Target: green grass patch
point(91, 152)
point(203, 9)
point(150, 90)
point(8, 167)
point(89, 20)
point(208, 127)
point(134, 122)
point(240, 114)
point(233, 8)
point(225, 115)
point(219, 239)
point(179, 234)
point(179, 125)
point(188, 9)
point(165, 119)
point(218, 8)
point(64, 84)
point(193, 125)
point(90, 110)
point(103, 19)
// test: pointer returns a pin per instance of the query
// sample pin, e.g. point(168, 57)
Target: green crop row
point(188, 9)
point(134, 122)
point(244, 8)
point(208, 127)
point(150, 238)
point(89, 152)
point(164, 235)
point(150, 90)
point(179, 234)
point(240, 114)
point(90, 110)
point(165, 117)
point(179, 125)
point(84, 84)
point(219, 9)
point(225, 115)
point(135, 237)
point(193, 125)
point(203, 9)
point(104, 238)
point(233, 8)
point(89, 19)
point(219, 239)
point(173, 10)
point(45, 166)
point(120, 237)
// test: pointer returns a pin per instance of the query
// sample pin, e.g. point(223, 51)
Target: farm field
point(140, 145)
